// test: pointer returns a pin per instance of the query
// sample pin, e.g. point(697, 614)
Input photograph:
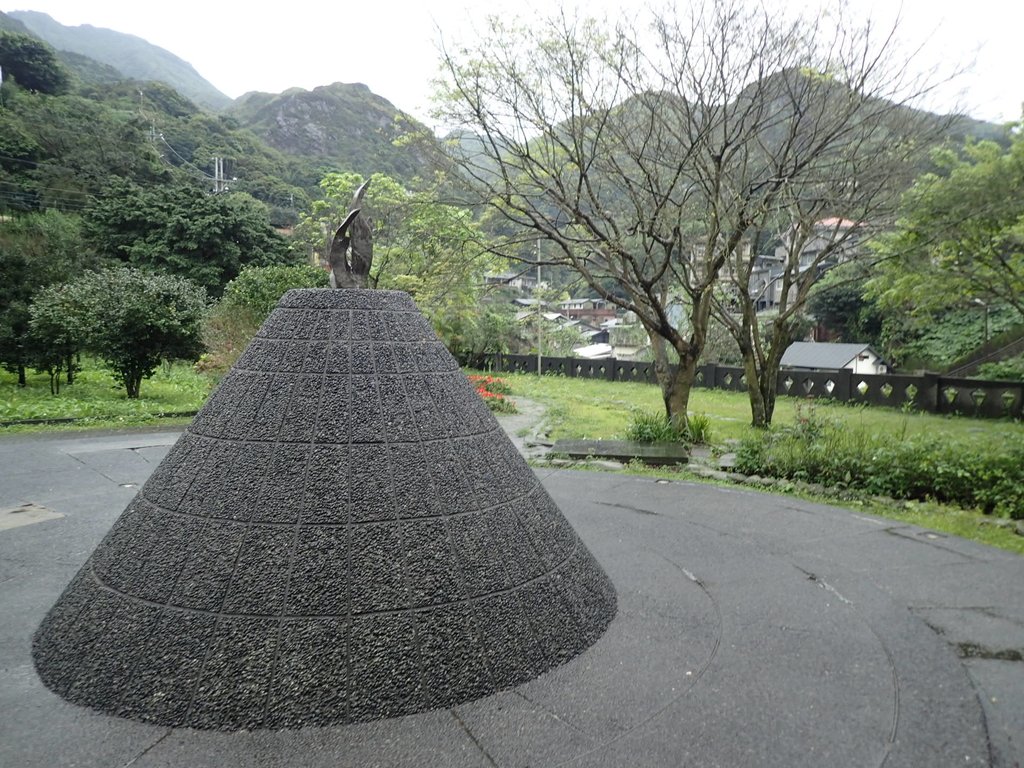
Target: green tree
point(493, 328)
point(425, 247)
point(246, 302)
point(59, 325)
point(839, 303)
point(31, 63)
point(36, 250)
point(258, 289)
point(960, 240)
point(185, 231)
point(134, 320)
point(652, 159)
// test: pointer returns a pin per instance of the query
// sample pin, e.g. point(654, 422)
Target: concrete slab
point(753, 630)
point(26, 514)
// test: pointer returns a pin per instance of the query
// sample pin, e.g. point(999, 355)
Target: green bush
point(654, 427)
point(258, 289)
point(247, 301)
point(698, 426)
point(989, 476)
point(1011, 369)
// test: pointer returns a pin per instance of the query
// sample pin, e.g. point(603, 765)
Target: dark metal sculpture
point(352, 247)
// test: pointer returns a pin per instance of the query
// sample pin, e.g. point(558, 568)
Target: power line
point(60, 192)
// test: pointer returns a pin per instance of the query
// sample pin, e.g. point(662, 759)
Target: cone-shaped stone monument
point(343, 533)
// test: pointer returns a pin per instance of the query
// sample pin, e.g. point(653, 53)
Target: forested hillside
point(344, 125)
point(132, 118)
point(132, 56)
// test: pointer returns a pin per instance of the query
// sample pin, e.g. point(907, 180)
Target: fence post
point(709, 370)
point(844, 387)
point(930, 397)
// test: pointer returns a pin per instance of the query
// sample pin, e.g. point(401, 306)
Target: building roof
point(810, 354)
point(593, 351)
point(836, 222)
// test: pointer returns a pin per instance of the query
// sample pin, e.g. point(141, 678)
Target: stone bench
point(655, 454)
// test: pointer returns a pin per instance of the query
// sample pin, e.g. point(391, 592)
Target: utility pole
point(219, 182)
point(538, 307)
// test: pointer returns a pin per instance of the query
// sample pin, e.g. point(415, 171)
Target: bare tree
point(652, 158)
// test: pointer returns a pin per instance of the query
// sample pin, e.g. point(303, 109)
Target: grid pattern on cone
point(344, 533)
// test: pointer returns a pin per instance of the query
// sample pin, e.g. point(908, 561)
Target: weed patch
point(986, 476)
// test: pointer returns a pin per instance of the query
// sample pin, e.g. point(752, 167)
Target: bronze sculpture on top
point(351, 254)
point(343, 533)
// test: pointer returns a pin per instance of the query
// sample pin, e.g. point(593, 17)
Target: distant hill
point(88, 71)
point(343, 125)
point(128, 55)
point(7, 24)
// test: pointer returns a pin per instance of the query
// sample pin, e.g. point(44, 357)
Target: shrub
point(493, 391)
point(247, 301)
point(988, 476)
point(1011, 369)
point(654, 427)
point(258, 289)
point(698, 425)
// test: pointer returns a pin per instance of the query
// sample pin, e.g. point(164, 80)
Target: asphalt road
point(753, 630)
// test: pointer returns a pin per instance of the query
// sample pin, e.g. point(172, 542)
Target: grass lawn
point(587, 408)
point(95, 400)
point(594, 409)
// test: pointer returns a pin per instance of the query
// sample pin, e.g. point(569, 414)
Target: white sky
point(392, 46)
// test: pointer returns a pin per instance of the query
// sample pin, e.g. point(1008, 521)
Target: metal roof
point(810, 354)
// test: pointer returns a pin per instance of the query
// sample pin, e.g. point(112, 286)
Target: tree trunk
point(675, 381)
point(132, 384)
point(22, 381)
point(55, 373)
point(676, 392)
point(761, 390)
point(760, 415)
point(770, 392)
point(762, 381)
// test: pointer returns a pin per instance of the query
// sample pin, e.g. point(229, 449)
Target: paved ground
point(753, 630)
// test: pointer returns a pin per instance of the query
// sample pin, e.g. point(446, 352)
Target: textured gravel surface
point(344, 533)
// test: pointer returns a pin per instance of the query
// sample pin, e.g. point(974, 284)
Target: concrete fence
point(929, 392)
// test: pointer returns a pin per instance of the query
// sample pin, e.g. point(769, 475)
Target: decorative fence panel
point(927, 392)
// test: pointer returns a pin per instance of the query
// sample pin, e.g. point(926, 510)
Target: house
point(824, 356)
point(839, 237)
point(524, 281)
point(593, 311)
point(594, 352)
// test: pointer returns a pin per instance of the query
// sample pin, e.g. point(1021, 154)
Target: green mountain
point(132, 56)
point(8, 24)
point(343, 126)
point(338, 127)
point(86, 70)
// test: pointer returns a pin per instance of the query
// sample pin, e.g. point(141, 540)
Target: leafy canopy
point(31, 63)
point(36, 250)
point(963, 229)
point(421, 245)
point(135, 320)
point(185, 231)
